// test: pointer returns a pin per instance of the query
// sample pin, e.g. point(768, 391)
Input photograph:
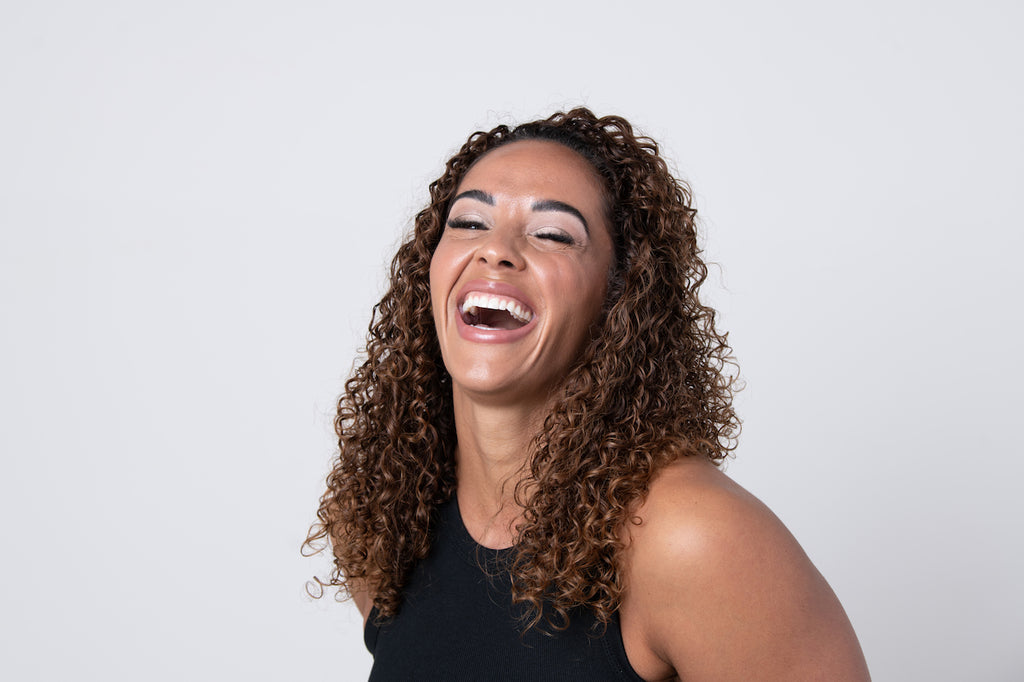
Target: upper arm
point(721, 590)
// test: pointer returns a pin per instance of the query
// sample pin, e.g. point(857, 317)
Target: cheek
point(437, 284)
point(445, 266)
point(584, 288)
point(592, 302)
point(594, 281)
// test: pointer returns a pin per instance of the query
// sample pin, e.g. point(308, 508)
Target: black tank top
point(457, 622)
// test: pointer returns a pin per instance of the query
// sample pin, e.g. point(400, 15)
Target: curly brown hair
point(651, 386)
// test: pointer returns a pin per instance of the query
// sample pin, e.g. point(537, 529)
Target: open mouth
point(487, 311)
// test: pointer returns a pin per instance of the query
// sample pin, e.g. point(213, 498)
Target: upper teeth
point(478, 300)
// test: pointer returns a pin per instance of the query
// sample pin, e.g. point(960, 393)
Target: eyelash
point(560, 237)
point(464, 224)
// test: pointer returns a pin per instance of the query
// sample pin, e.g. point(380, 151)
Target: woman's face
point(519, 275)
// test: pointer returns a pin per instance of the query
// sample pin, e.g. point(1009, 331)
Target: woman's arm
point(718, 589)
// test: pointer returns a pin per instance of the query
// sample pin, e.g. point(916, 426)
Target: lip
point(489, 286)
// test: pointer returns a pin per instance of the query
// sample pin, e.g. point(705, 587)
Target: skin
point(501, 390)
point(716, 588)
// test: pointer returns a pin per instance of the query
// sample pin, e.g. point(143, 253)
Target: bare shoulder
point(693, 509)
point(717, 588)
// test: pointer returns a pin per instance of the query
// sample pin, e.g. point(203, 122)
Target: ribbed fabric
point(457, 623)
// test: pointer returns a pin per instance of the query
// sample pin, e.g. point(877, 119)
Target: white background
point(197, 201)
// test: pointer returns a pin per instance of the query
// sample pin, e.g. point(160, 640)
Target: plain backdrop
point(198, 201)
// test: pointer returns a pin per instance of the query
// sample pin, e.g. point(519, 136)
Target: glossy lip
point(489, 286)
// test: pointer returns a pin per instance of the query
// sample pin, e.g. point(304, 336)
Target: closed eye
point(555, 236)
point(465, 224)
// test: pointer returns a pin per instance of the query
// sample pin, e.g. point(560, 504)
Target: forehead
point(536, 167)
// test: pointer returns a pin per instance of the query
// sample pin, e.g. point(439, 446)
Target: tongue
point(496, 319)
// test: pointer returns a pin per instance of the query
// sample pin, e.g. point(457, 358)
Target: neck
point(492, 456)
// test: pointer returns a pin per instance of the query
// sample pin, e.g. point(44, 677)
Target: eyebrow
point(538, 206)
point(561, 206)
point(477, 194)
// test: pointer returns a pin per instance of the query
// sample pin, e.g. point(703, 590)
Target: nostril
point(498, 253)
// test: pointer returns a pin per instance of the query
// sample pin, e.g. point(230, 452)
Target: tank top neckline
point(469, 549)
point(452, 538)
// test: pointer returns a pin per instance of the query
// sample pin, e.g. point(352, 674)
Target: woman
point(527, 484)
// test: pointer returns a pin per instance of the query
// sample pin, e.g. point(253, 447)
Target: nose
point(501, 249)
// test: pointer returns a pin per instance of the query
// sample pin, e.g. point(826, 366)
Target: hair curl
point(648, 388)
